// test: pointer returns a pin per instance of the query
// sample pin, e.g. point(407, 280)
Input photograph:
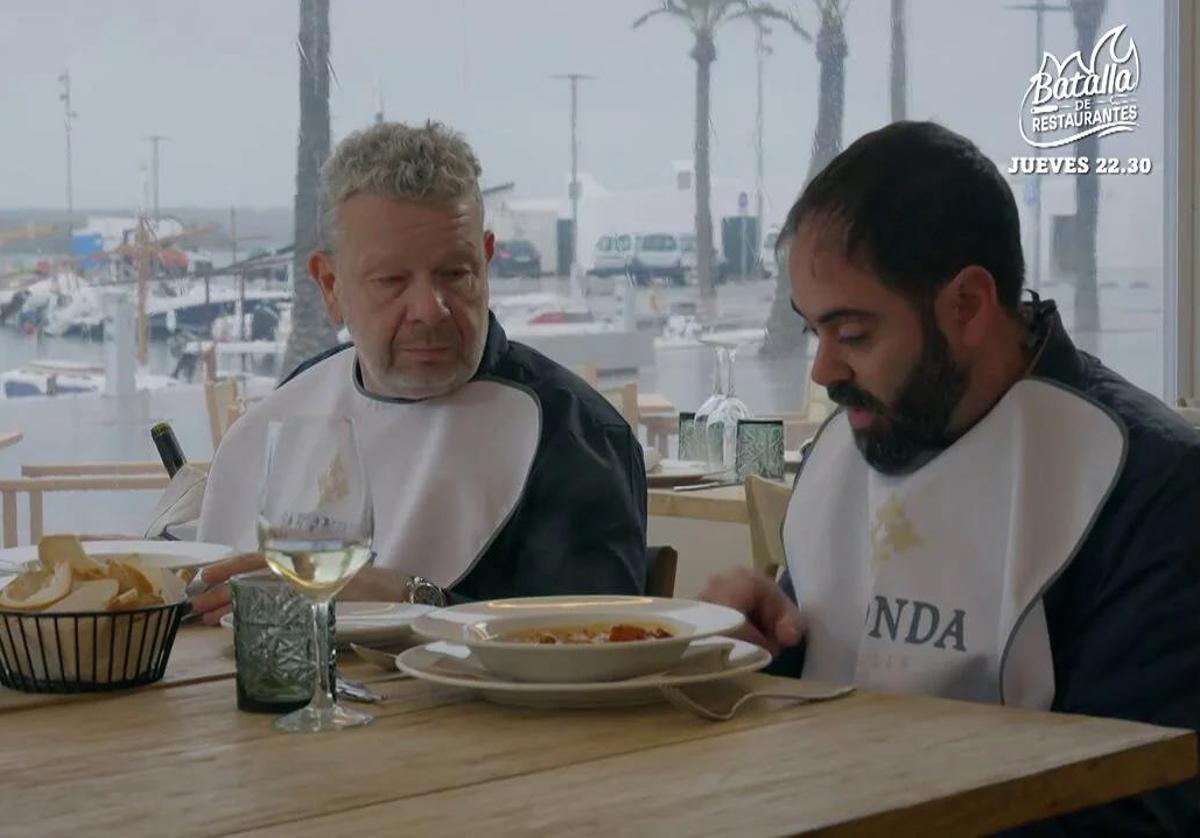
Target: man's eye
point(809, 330)
point(853, 339)
point(455, 274)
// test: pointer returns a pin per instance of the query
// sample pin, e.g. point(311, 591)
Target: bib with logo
point(932, 582)
point(446, 473)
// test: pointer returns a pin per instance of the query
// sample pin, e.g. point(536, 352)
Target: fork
point(680, 699)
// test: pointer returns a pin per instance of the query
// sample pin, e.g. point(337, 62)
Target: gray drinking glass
point(272, 639)
point(688, 448)
point(759, 448)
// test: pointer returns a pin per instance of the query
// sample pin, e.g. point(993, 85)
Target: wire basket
point(87, 652)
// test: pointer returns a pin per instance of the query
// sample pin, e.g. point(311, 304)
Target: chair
point(625, 400)
point(766, 503)
point(660, 571)
point(1189, 410)
point(36, 487)
point(588, 373)
point(224, 406)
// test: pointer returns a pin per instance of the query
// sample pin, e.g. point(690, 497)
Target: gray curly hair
point(402, 162)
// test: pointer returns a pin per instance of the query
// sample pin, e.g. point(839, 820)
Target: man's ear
point(321, 269)
point(489, 244)
point(968, 307)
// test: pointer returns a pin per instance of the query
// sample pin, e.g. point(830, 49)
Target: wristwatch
point(423, 592)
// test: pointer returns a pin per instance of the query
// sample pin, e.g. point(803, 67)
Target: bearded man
point(994, 515)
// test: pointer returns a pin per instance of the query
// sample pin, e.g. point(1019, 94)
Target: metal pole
point(68, 115)
point(155, 139)
point(574, 168)
point(1039, 8)
point(1039, 13)
point(573, 191)
point(761, 50)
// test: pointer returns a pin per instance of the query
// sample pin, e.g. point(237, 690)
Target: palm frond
point(758, 12)
point(668, 7)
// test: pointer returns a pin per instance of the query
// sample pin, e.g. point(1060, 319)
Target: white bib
point(446, 474)
point(932, 582)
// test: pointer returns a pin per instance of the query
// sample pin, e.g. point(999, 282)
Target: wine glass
point(315, 523)
point(721, 428)
point(700, 422)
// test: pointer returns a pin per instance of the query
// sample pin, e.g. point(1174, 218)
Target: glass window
point(657, 242)
point(202, 218)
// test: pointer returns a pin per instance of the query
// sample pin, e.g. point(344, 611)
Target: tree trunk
point(312, 332)
point(899, 75)
point(1087, 15)
point(785, 331)
point(704, 53)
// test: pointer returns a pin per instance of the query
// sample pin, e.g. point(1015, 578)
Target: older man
point(995, 515)
point(495, 471)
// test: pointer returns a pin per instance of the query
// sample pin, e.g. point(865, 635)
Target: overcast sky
point(220, 78)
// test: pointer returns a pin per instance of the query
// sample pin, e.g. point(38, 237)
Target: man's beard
point(418, 383)
point(916, 429)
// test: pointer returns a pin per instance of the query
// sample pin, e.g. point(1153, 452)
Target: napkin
point(180, 501)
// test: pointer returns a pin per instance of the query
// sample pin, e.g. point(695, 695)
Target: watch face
point(427, 593)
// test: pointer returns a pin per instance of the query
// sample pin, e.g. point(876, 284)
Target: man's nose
point(828, 369)
point(426, 302)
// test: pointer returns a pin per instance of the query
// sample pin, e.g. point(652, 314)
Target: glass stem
point(732, 356)
point(322, 697)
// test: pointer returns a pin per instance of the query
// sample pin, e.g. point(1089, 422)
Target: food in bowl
point(72, 619)
point(590, 633)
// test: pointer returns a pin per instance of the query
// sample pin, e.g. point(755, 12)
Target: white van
point(663, 254)
point(611, 255)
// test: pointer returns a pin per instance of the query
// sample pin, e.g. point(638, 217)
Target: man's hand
point(772, 620)
point(214, 603)
point(370, 584)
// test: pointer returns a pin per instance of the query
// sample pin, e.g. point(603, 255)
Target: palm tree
point(785, 332)
point(899, 74)
point(1086, 15)
point(703, 18)
point(311, 330)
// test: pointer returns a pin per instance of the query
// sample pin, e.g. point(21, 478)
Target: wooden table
point(725, 504)
point(8, 438)
point(180, 760)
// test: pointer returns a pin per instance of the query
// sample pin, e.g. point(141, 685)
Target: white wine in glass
point(319, 567)
point(315, 524)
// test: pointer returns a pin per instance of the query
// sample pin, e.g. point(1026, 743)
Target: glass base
point(317, 720)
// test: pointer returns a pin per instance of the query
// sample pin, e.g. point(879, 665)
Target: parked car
point(662, 254)
point(611, 254)
point(516, 257)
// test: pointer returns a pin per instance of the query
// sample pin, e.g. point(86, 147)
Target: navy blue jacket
point(1124, 617)
point(580, 526)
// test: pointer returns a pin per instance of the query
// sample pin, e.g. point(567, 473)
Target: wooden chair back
point(661, 563)
point(36, 487)
point(588, 373)
point(224, 406)
point(625, 400)
point(766, 504)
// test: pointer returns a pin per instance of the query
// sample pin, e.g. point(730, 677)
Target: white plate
point(421, 663)
point(167, 554)
point(478, 626)
point(368, 622)
point(677, 472)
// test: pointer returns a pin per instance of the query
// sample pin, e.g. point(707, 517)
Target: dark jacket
point(580, 526)
point(1124, 616)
